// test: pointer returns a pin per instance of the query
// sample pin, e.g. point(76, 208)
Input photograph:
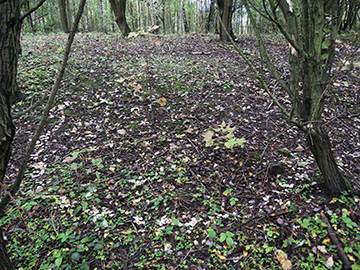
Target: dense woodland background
point(173, 17)
point(172, 145)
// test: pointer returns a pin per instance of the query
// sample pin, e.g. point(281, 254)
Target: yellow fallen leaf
point(162, 101)
point(282, 258)
point(326, 241)
point(221, 257)
point(245, 253)
point(351, 258)
point(128, 231)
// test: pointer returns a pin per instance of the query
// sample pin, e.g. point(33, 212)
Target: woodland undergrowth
point(163, 153)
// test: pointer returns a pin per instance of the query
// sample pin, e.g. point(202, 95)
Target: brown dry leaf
point(67, 159)
point(282, 258)
point(208, 137)
point(158, 41)
point(162, 101)
point(137, 88)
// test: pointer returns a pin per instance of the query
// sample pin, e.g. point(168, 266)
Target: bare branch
point(337, 243)
point(288, 37)
point(15, 186)
point(31, 10)
point(262, 81)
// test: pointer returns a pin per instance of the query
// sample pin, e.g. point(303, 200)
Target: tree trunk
point(225, 9)
point(68, 14)
point(351, 13)
point(5, 263)
point(10, 27)
point(210, 20)
point(186, 24)
point(320, 146)
point(303, 28)
point(119, 8)
point(63, 16)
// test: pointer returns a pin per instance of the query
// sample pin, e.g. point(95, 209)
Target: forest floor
point(164, 153)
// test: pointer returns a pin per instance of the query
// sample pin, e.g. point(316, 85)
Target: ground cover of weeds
point(142, 164)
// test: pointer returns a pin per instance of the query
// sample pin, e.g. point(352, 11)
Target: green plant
point(224, 135)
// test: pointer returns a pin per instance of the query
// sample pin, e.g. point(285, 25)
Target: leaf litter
point(133, 169)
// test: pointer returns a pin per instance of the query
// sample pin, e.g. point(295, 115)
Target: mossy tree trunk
point(311, 28)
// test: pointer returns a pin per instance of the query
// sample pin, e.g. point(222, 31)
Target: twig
point(31, 10)
point(183, 259)
point(271, 140)
point(30, 147)
point(19, 211)
point(336, 242)
point(29, 108)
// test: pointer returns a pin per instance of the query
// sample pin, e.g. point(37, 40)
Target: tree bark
point(225, 12)
point(10, 28)
point(119, 8)
point(64, 16)
point(186, 24)
point(5, 263)
point(319, 144)
point(210, 19)
point(302, 25)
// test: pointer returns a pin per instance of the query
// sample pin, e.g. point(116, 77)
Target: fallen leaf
point(326, 241)
point(137, 88)
point(329, 262)
point(221, 257)
point(322, 249)
point(162, 101)
point(282, 258)
point(208, 137)
point(67, 159)
point(128, 231)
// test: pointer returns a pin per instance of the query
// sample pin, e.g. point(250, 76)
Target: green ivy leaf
point(212, 233)
point(325, 56)
point(229, 234)
point(229, 241)
point(222, 237)
point(75, 256)
point(58, 261)
point(325, 45)
point(175, 221)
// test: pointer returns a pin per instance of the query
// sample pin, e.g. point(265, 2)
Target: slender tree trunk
point(10, 27)
point(63, 16)
point(186, 25)
point(210, 20)
point(314, 74)
point(163, 18)
point(68, 13)
point(119, 8)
